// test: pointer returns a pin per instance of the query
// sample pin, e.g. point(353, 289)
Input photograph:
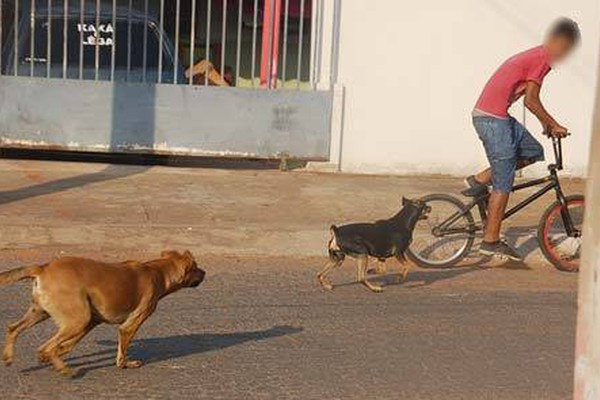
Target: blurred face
point(559, 47)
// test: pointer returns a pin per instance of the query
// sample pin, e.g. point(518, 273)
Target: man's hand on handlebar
point(557, 131)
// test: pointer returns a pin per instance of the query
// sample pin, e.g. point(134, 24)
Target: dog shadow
point(421, 278)
point(417, 278)
point(155, 350)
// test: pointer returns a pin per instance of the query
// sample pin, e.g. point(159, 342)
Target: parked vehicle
point(84, 48)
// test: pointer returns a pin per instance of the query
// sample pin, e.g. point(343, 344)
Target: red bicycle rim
point(551, 217)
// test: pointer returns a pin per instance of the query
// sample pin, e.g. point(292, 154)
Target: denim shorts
point(506, 141)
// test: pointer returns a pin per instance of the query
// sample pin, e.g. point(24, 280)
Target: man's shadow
point(153, 350)
point(524, 239)
point(109, 173)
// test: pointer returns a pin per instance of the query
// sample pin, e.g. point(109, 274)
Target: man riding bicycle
point(508, 145)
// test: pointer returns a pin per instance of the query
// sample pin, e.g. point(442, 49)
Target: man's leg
point(485, 177)
point(529, 151)
point(501, 141)
point(496, 204)
point(496, 208)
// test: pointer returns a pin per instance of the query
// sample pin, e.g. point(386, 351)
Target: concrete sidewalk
point(70, 207)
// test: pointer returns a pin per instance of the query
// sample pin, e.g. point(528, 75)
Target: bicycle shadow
point(155, 350)
point(514, 236)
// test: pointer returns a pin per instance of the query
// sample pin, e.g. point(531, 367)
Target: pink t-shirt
point(508, 83)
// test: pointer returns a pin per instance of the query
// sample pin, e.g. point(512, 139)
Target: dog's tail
point(332, 245)
point(15, 275)
point(333, 248)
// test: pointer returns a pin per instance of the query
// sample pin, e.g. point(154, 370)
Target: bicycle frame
point(552, 183)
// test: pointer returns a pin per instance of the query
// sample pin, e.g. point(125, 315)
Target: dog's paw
point(373, 288)
point(133, 364)
point(130, 364)
point(67, 372)
point(8, 360)
point(324, 284)
point(43, 358)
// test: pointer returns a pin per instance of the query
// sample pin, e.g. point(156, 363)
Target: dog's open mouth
point(425, 212)
point(195, 283)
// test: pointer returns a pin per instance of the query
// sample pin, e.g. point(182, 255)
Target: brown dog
point(80, 294)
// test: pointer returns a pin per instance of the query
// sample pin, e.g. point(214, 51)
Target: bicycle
point(446, 237)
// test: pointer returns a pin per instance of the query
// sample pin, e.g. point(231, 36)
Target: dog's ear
point(169, 254)
point(187, 258)
point(188, 254)
point(405, 201)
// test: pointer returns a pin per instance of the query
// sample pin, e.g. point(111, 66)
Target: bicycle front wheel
point(446, 236)
point(562, 250)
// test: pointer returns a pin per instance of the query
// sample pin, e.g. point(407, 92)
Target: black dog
point(382, 240)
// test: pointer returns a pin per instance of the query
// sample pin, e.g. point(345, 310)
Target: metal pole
point(335, 42)
point(161, 40)
point(300, 44)
point(270, 43)
point(32, 38)
point(208, 28)
point(114, 42)
point(192, 42)
point(254, 29)
point(319, 46)
point(314, 37)
point(587, 362)
point(267, 43)
point(276, 36)
point(16, 39)
point(286, 16)
point(65, 38)
point(1, 3)
point(129, 17)
point(177, 21)
point(97, 48)
point(223, 37)
point(239, 42)
point(81, 23)
point(145, 47)
point(49, 42)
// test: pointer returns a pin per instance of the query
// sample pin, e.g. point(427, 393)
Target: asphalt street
point(260, 327)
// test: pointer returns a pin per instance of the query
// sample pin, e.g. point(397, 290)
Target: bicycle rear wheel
point(562, 250)
point(446, 236)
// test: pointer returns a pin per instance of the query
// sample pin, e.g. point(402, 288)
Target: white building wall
point(412, 72)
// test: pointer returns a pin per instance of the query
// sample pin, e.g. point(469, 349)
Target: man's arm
point(534, 104)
